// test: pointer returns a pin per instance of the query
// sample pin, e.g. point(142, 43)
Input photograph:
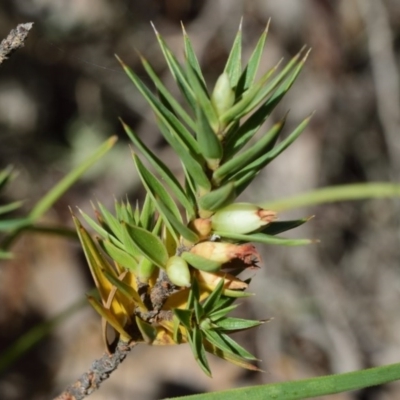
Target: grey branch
point(14, 40)
point(100, 370)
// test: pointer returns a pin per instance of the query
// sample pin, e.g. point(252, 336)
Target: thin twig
point(100, 370)
point(14, 40)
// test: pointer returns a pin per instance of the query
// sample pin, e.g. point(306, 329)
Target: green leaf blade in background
point(61, 187)
point(308, 388)
point(357, 191)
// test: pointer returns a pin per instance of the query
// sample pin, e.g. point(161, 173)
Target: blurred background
point(335, 305)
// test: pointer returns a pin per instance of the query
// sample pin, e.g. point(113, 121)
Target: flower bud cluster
point(211, 255)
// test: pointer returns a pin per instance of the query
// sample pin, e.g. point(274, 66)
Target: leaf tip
point(154, 28)
point(240, 24)
point(267, 26)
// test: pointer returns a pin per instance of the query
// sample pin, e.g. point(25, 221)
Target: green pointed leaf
point(123, 258)
point(203, 98)
point(162, 112)
point(260, 91)
point(185, 317)
point(255, 166)
point(201, 263)
point(218, 198)
point(288, 76)
point(147, 214)
point(148, 244)
point(210, 145)
point(174, 105)
point(215, 339)
point(233, 66)
point(164, 203)
point(191, 57)
point(234, 359)
point(198, 312)
point(194, 295)
point(100, 230)
point(211, 301)
point(225, 302)
point(177, 334)
point(262, 146)
point(163, 170)
point(235, 112)
point(283, 88)
point(191, 164)
point(176, 71)
point(112, 223)
point(196, 343)
point(236, 324)
point(221, 313)
point(250, 71)
point(62, 186)
point(274, 228)
point(238, 138)
point(263, 238)
point(237, 349)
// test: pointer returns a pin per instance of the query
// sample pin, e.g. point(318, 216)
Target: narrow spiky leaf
point(185, 317)
point(274, 228)
point(162, 112)
point(263, 238)
point(162, 169)
point(250, 71)
point(221, 313)
point(203, 98)
point(210, 145)
point(262, 146)
point(197, 346)
point(192, 165)
point(213, 298)
point(176, 71)
point(191, 57)
point(247, 174)
point(163, 202)
point(178, 109)
point(233, 66)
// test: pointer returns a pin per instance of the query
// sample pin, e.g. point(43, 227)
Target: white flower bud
point(178, 271)
point(241, 218)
